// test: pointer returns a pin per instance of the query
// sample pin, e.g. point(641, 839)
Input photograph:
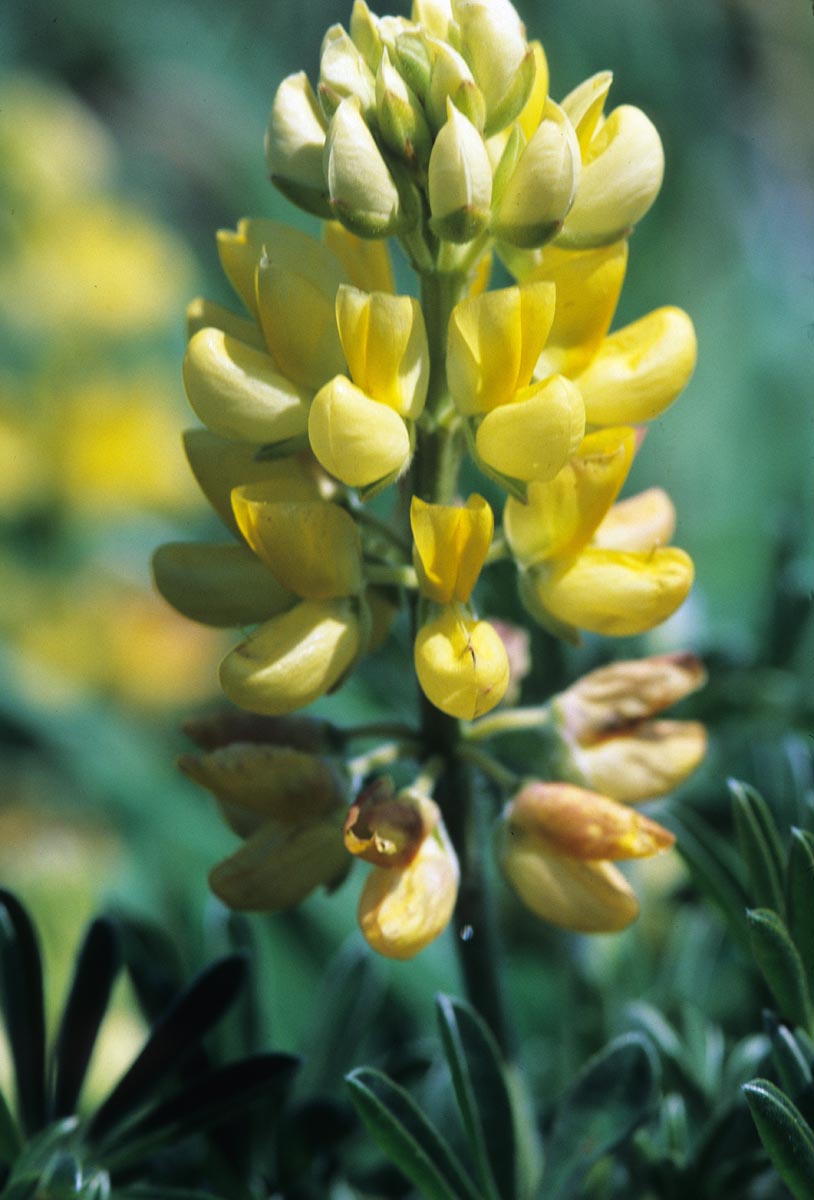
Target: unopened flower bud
point(294, 145)
point(402, 123)
point(220, 585)
point(459, 180)
point(461, 664)
point(412, 57)
point(238, 392)
point(494, 44)
point(293, 659)
point(356, 439)
point(452, 82)
point(363, 193)
point(343, 73)
point(365, 34)
point(435, 16)
point(583, 824)
point(450, 546)
point(402, 910)
point(311, 546)
point(541, 190)
point(385, 344)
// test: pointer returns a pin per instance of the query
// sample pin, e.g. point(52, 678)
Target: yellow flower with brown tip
point(557, 845)
point(461, 664)
point(610, 740)
point(583, 567)
point(450, 546)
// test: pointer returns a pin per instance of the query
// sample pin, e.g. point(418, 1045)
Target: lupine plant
point(350, 415)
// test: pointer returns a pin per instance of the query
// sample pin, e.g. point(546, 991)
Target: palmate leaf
point(95, 972)
point(175, 1035)
point(781, 966)
point(401, 1130)
point(22, 995)
point(198, 1105)
point(611, 1096)
point(759, 844)
point(482, 1092)
point(788, 1139)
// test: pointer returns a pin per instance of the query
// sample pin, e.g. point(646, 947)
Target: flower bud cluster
point(332, 387)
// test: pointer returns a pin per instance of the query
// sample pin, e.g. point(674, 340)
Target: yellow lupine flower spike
point(450, 546)
point(494, 342)
point(461, 664)
point(385, 344)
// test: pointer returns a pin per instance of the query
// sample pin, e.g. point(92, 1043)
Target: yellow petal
point(494, 342)
point(385, 344)
point(297, 312)
point(583, 107)
point(542, 187)
point(450, 546)
point(533, 437)
point(256, 238)
point(576, 823)
point(218, 585)
point(279, 865)
point(640, 369)
point(587, 897)
point(622, 171)
point(204, 314)
point(267, 781)
point(640, 522)
point(649, 761)
point(388, 830)
point(238, 393)
point(532, 112)
point(402, 911)
point(355, 439)
point(588, 284)
point(461, 664)
point(311, 546)
point(366, 262)
point(294, 658)
point(561, 514)
point(619, 594)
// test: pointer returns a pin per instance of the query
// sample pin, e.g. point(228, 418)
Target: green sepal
point(611, 1097)
point(759, 845)
point(781, 965)
point(788, 1139)
point(482, 1091)
point(411, 1143)
point(800, 895)
point(412, 59)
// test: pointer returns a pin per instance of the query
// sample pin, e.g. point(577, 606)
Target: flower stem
point(512, 720)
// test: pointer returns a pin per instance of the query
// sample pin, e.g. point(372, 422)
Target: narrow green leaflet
point(780, 965)
point(612, 1095)
point(484, 1099)
point(759, 844)
point(9, 1134)
point(787, 1138)
point(706, 854)
point(800, 895)
point(22, 997)
point(405, 1135)
point(791, 1063)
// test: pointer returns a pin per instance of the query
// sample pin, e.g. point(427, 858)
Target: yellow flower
point(402, 909)
point(609, 739)
point(461, 664)
point(574, 579)
point(557, 844)
point(385, 344)
point(296, 657)
point(356, 439)
point(450, 548)
point(388, 830)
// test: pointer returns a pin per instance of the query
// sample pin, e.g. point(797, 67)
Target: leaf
point(706, 855)
point(408, 1139)
point(482, 1092)
point(201, 1104)
point(759, 844)
point(153, 964)
point(788, 1140)
point(96, 968)
point(612, 1095)
point(10, 1142)
point(21, 974)
point(791, 1063)
point(174, 1036)
point(800, 895)
point(780, 965)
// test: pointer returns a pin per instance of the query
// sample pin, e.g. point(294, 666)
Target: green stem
point(400, 576)
point(513, 720)
point(505, 779)
point(435, 480)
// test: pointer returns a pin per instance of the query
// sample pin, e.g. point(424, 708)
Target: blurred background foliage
point(128, 134)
